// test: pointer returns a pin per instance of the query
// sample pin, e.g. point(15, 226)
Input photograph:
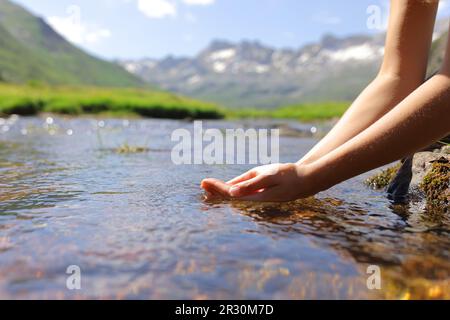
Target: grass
point(37, 98)
point(302, 112)
point(30, 49)
point(33, 99)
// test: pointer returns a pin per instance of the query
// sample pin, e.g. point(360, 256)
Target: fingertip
point(208, 182)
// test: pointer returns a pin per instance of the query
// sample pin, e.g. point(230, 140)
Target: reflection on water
point(138, 228)
point(415, 260)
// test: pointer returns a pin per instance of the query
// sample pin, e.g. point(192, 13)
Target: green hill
point(31, 50)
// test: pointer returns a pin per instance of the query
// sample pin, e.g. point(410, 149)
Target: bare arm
point(420, 119)
point(403, 70)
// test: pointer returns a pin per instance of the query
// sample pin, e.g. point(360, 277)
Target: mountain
point(437, 53)
point(31, 50)
point(252, 74)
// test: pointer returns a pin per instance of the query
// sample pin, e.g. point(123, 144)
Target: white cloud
point(157, 8)
point(95, 36)
point(199, 2)
point(74, 30)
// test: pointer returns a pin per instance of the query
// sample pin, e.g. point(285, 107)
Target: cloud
point(157, 9)
point(199, 2)
point(97, 35)
point(74, 30)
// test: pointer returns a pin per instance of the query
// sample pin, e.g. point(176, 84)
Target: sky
point(132, 29)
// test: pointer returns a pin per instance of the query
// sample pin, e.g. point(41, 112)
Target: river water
point(137, 226)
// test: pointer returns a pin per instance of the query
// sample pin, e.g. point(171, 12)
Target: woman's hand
point(270, 183)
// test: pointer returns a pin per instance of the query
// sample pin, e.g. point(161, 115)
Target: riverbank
point(303, 112)
point(35, 99)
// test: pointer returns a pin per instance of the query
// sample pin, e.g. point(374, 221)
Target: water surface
point(138, 227)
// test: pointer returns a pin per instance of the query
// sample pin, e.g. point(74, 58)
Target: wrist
point(313, 176)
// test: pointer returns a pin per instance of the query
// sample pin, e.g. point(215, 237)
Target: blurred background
point(283, 58)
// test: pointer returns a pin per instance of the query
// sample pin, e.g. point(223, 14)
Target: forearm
point(403, 70)
point(423, 117)
point(385, 92)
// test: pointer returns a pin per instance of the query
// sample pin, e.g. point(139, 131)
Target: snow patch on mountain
point(253, 74)
point(363, 52)
point(219, 67)
point(223, 54)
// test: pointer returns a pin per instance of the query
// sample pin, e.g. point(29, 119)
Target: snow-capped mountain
point(252, 74)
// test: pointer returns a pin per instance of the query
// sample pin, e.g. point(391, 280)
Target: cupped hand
point(270, 183)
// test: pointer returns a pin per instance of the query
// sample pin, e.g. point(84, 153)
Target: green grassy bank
point(34, 99)
point(302, 112)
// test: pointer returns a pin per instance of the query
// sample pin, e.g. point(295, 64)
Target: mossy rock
point(384, 178)
point(436, 185)
point(430, 179)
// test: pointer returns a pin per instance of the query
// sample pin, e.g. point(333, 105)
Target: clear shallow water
point(138, 227)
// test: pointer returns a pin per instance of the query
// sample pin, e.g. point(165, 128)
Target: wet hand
point(270, 183)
